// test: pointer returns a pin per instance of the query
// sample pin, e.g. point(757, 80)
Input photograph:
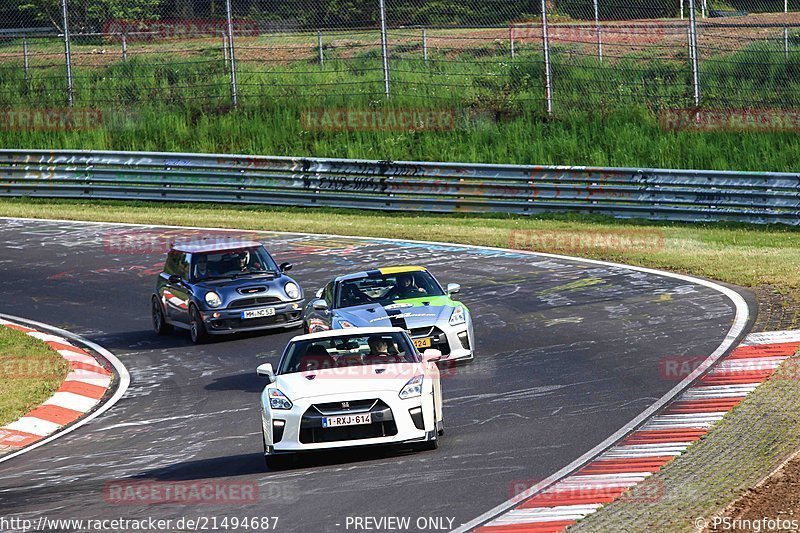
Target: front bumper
point(455, 342)
point(394, 421)
point(225, 321)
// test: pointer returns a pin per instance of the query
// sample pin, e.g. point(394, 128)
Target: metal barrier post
point(511, 38)
point(384, 47)
point(234, 92)
point(548, 82)
point(693, 54)
point(67, 53)
point(124, 49)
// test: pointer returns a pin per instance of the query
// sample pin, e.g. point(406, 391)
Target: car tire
point(427, 446)
point(440, 428)
point(160, 325)
point(197, 329)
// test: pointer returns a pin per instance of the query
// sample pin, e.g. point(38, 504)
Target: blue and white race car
point(408, 297)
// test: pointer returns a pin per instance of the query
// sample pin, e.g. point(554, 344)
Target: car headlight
point(213, 299)
point(278, 400)
point(459, 316)
point(345, 324)
point(292, 290)
point(412, 389)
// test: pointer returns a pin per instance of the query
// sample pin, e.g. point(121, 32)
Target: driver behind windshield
point(378, 345)
point(248, 262)
point(379, 351)
point(405, 288)
point(201, 267)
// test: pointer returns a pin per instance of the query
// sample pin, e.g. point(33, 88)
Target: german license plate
point(346, 420)
point(258, 313)
point(424, 342)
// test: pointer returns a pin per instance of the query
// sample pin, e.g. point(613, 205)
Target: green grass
point(31, 373)
point(603, 116)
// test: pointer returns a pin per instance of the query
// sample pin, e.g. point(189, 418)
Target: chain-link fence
point(550, 56)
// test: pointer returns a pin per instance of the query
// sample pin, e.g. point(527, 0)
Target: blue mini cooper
point(216, 287)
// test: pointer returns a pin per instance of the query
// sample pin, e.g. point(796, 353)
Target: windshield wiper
point(221, 276)
point(251, 272)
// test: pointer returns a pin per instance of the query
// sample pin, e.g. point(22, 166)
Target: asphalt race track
point(567, 353)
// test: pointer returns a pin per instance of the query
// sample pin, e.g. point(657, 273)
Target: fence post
point(599, 31)
point(424, 45)
point(25, 64)
point(511, 38)
point(384, 47)
point(682, 9)
point(225, 49)
point(124, 49)
point(67, 53)
point(693, 53)
point(231, 55)
point(548, 82)
point(703, 8)
point(786, 31)
point(319, 46)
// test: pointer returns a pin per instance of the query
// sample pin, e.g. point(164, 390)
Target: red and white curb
point(646, 450)
point(83, 391)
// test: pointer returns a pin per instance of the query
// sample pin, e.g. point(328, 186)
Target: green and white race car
point(403, 296)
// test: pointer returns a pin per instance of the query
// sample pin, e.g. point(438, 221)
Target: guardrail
point(679, 195)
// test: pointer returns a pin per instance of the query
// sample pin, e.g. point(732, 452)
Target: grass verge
point(31, 370)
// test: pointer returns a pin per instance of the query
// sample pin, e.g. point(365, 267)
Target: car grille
point(383, 424)
point(427, 331)
point(253, 302)
point(236, 323)
point(439, 339)
point(355, 406)
point(367, 431)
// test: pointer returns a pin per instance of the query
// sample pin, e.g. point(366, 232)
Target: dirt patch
point(777, 498)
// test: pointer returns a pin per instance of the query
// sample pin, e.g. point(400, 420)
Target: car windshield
point(348, 350)
point(232, 263)
point(386, 288)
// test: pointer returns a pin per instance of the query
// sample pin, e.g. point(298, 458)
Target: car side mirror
point(174, 279)
point(286, 267)
point(431, 355)
point(453, 288)
point(266, 371)
point(321, 305)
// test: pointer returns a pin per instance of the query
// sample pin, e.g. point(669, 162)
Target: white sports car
point(350, 387)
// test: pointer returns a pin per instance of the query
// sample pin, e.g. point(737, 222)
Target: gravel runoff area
point(709, 486)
